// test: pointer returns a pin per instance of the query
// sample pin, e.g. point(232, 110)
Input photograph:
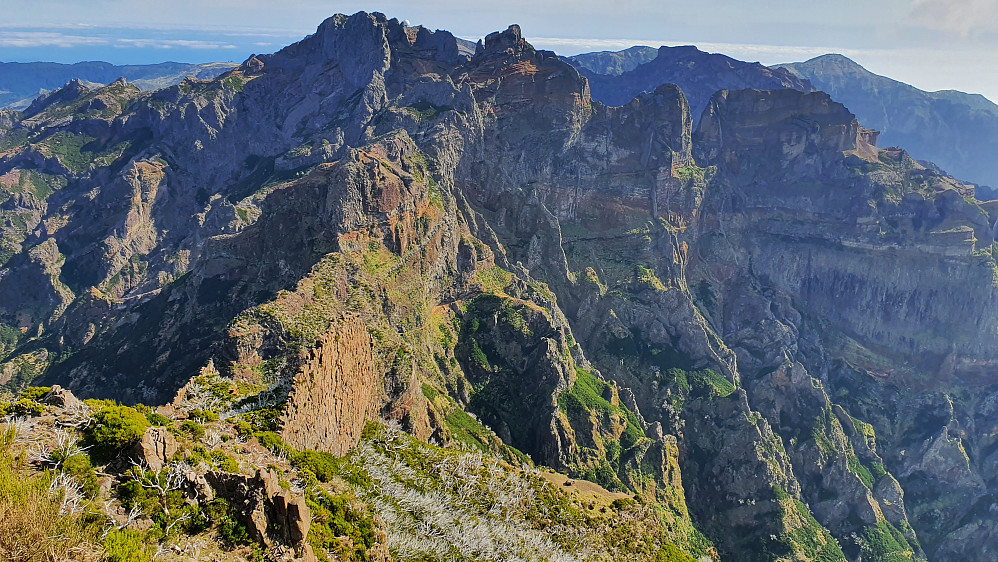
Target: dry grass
point(32, 525)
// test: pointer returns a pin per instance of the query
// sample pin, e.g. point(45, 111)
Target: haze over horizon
point(931, 44)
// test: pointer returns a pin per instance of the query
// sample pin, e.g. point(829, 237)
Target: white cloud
point(20, 39)
point(153, 43)
point(962, 17)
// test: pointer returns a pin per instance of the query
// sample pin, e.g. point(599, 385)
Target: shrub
point(264, 419)
point(125, 545)
point(223, 461)
point(193, 429)
point(672, 553)
point(116, 427)
point(322, 466)
point(27, 407)
point(272, 441)
point(333, 517)
point(35, 393)
point(243, 429)
point(79, 467)
point(202, 416)
point(230, 531)
point(157, 419)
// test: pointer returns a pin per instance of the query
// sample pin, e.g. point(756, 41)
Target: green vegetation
point(646, 278)
point(478, 357)
point(589, 396)
point(494, 279)
point(37, 184)
point(423, 110)
point(9, 336)
point(68, 148)
point(431, 499)
point(883, 542)
point(193, 429)
point(323, 466)
point(706, 383)
point(25, 407)
point(672, 553)
point(33, 524)
point(234, 82)
point(691, 172)
point(805, 536)
point(857, 468)
point(76, 152)
point(124, 545)
point(35, 393)
point(339, 526)
point(116, 427)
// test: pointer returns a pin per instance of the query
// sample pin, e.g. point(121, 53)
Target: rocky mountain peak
point(697, 73)
point(73, 90)
point(509, 41)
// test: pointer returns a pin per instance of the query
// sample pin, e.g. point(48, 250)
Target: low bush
point(27, 407)
point(158, 420)
point(202, 416)
point(35, 393)
point(116, 427)
point(79, 467)
point(193, 429)
point(125, 545)
point(672, 553)
point(333, 517)
point(230, 531)
point(243, 429)
point(323, 466)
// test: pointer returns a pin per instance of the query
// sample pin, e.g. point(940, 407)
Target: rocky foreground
point(768, 338)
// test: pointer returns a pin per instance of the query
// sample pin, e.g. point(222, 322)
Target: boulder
point(62, 398)
point(156, 448)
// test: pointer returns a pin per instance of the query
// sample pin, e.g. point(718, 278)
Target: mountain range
point(957, 131)
point(22, 82)
point(380, 296)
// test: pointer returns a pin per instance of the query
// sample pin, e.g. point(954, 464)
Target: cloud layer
point(961, 17)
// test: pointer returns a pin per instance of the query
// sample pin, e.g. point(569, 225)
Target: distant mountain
point(698, 75)
point(957, 131)
point(22, 82)
point(614, 63)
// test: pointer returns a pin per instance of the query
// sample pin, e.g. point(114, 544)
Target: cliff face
point(333, 393)
point(750, 325)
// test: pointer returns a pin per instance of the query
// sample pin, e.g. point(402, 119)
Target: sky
point(931, 44)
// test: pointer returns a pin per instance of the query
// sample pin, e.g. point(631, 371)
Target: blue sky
point(933, 44)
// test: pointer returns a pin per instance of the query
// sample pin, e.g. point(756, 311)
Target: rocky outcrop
point(156, 448)
point(61, 397)
point(333, 392)
point(272, 515)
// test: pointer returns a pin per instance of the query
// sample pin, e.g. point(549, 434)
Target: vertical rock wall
point(333, 391)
